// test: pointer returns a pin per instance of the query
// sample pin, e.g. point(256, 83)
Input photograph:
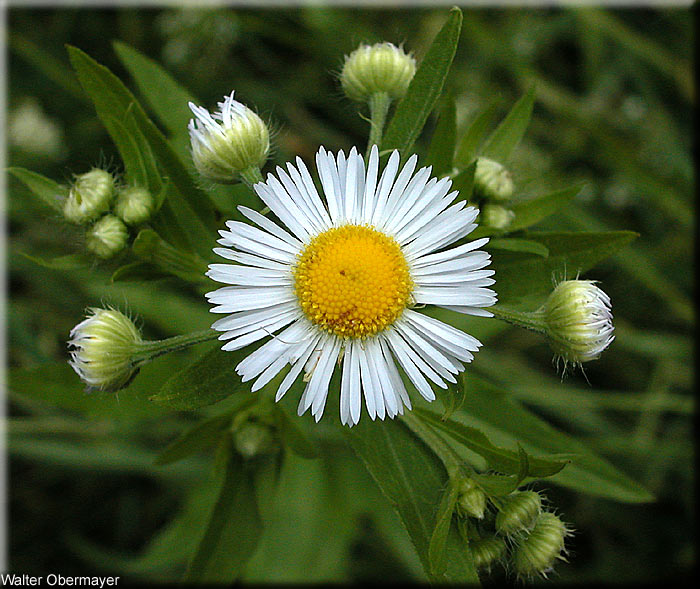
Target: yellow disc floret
point(353, 281)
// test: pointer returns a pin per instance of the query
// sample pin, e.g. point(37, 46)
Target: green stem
point(251, 176)
point(533, 320)
point(378, 108)
point(147, 351)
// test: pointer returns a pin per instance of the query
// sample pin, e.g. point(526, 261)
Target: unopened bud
point(518, 511)
point(379, 68)
point(102, 349)
point(486, 551)
point(228, 142)
point(89, 197)
point(472, 500)
point(492, 181)
point(134, 205)
point(536, 553)
point(578, 319)
point(107, 237)
point(252, 438)
point(496, 216)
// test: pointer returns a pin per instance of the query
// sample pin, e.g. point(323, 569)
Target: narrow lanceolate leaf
point(166, 98)
point(48, 191)
point(412, 477)
point(500, 459)
point(234, 526)
point(206, 381)
point(436, 548)
point(473, 137)
point(68, 262)
point(200, 437)
point(464, 183)
point(507, 423)
point(292, 436)
point(149, 247)
point(138, 272)
point(514, 244)
point(425, 88)
point(529, 212)
point(508, 134)
point(526, 278)
point(442, 147)
point(138, 159)
point(113, 100)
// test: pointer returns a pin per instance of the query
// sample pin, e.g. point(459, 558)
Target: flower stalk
point(147, 351)
point(379, 103)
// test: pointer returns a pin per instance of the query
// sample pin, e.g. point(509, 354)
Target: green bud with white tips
point(102, 348)
point(536, 553)
point(89, 196)
point(496, 216)
point(134, 205)
point(578, 320)
point(107, 237)
point(487, 551)
point(379, 68)
point(492, 181)
point(517, 512)
point(472, 500)
point(229, 143)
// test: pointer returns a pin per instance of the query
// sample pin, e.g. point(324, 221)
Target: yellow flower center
point(353, 281)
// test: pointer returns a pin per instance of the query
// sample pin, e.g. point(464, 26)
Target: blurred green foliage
point(614, 99)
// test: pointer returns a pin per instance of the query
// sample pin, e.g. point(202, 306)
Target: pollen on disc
point(353, 281)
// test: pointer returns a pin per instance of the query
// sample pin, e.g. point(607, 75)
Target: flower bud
point(472, 500)
point(253, 438)
point(101, 349)
point(134, 205)
point(107, 237)
point(518, 511)
point(578, 319)
point(536, 553)
point(89, 197)
point(228, 142)
point(372, 69)
point(492, 181)
point(496, 216)
point(486, 551)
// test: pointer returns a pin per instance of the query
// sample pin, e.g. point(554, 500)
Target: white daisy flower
point(345, 276)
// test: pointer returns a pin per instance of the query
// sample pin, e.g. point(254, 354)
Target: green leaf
point(68, 262)
point(525, 278)
point(425, 88)
point(48, 191)
point(496, 484)
point(138, 159)
point(293, 436)
point(206, 381)
point(464, 183)
point(500, 459)
point(436, 548)
point(442, 146)
point(113, 100)
point(138, 272)
point(508, 134)
point(149, 247)
point(506, 422)
point(473, 137)
point(529, 212)
point(168, 99)
point(199, 437)
point(452, 398)
point(514, 244)
point(234, 527)
point(412, 477)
